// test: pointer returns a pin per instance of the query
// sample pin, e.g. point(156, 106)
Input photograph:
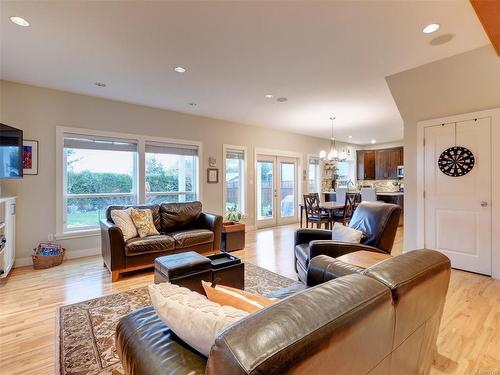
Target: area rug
point(86, 330)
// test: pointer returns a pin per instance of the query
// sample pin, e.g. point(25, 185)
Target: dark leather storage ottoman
point(186, 269)
point(228, 270)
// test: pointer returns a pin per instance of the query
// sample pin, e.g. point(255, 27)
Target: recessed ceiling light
point(350, 137)
point(282, 99)
point(268, 96)
point(100, 84)
point(19, 21)
point(180, 69)
point(192, 104)
point(373, 141)
point(430, 28)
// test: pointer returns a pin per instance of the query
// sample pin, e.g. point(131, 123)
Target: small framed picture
point(212, 175)
point(30, 157)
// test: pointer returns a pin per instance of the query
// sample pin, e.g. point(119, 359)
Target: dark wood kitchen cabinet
point(366, 164)
point(379, 164)
point(396, 198)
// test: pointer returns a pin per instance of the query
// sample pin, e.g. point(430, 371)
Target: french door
point(276, 190)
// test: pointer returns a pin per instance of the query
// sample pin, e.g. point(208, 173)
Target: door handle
point(484, 204)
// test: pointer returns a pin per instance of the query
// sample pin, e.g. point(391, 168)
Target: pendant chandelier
point(333, 154)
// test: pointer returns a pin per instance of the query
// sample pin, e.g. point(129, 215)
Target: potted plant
point(233, 230)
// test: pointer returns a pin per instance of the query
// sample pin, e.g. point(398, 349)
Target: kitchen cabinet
point(366, 164)
point(330, 197)
point(379, 164)
point(394, 198)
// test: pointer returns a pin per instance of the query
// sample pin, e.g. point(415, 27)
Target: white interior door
point(458, 209)
point(276, 190)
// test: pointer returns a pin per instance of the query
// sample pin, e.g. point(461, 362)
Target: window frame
point(196, 175)
point(351, 172)
point(66, 196)
point(225, 148)
point(140, 171)
point(309, 158)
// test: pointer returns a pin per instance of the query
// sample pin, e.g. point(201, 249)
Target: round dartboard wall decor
point(456, 161)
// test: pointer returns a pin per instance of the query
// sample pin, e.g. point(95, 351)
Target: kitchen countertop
point(392, 193)
point(378, 192)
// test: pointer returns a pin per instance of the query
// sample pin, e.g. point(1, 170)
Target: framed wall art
point(212, 175)
point(30, 157)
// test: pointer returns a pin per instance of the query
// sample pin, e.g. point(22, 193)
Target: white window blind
point(88, 142)
point(314, 161)
point(235, 154)
point(172, 149)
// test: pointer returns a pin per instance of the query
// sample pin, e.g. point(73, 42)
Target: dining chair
point(314, 214)
point(352, 200)
point(368, 195)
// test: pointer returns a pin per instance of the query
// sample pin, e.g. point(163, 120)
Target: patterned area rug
point(86, 330)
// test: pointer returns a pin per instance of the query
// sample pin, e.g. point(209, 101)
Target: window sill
point(77, 234)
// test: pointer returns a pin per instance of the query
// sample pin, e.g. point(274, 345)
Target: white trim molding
point(494, 114)
point(320, 176)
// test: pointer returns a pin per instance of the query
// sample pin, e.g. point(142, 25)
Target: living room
point(270, 147)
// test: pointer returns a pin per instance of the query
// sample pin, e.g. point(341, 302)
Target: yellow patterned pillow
point(143, 221)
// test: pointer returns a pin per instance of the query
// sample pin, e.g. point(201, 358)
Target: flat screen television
point(11, 152)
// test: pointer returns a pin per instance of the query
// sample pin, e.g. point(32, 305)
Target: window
point(171, 172)
point(234, 183)
point(314, 175)
point(100, 169)
point(345, 171)
point(99, 172)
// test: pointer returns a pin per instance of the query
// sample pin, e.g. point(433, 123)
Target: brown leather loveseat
point(383, 320)
point(182, 227)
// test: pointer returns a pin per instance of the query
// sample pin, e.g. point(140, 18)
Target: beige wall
point(37, 111)
point(459, 84)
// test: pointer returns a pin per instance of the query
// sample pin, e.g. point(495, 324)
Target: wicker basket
point(41, 262)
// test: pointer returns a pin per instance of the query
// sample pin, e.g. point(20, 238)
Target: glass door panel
point(276, 183)
point(287, 189)
point(265, 192)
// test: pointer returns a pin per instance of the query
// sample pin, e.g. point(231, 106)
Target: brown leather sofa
point(182, 227)
point(377, 220)
point(382, 320)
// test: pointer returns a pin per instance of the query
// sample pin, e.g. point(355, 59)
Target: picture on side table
point(30, 157)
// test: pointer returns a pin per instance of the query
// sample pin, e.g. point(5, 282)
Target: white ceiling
point(326, 57)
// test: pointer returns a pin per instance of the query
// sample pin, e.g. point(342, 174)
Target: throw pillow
point(143, 221)
point(236, 298)
point(191, 316)
point(123, 220)
point(345, 234)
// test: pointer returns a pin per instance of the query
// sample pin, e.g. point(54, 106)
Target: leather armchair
point(377, 220)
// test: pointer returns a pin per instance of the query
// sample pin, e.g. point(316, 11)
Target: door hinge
point(424, 194)
point(424, 142)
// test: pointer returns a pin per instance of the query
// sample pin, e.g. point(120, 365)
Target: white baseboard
point(27, 261)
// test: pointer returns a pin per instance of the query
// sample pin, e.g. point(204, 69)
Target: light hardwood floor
point(469, 342)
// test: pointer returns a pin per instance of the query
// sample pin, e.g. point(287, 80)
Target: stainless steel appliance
point(401, 171)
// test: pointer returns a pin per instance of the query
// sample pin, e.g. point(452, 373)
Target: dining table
point(329, 207)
